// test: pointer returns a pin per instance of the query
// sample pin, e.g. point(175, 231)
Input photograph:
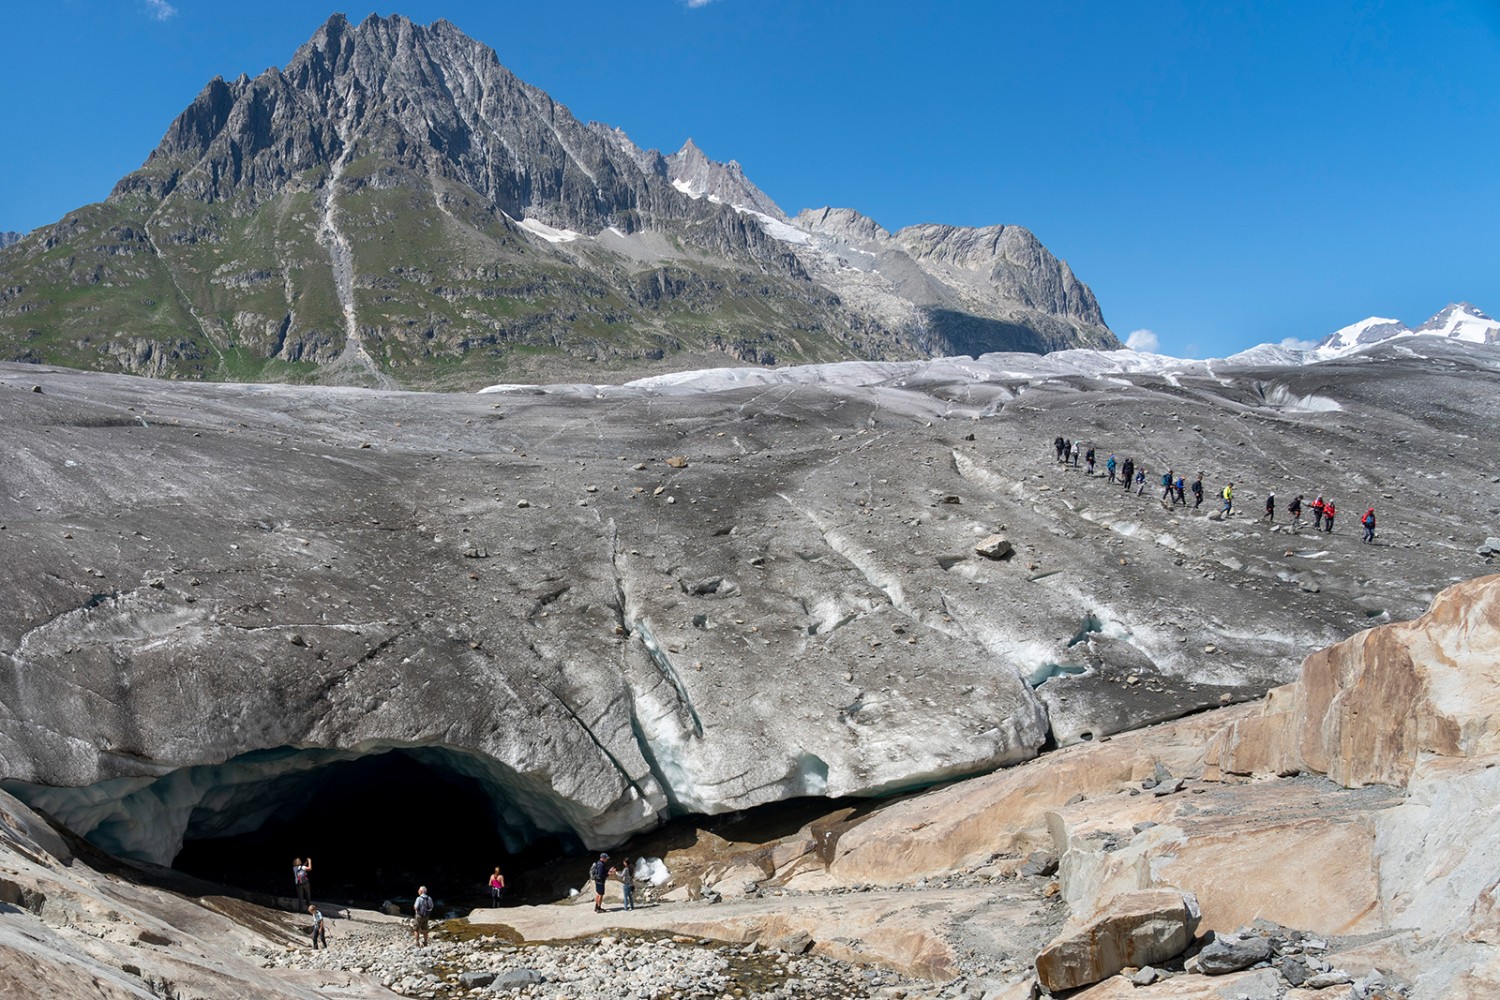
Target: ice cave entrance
point(376, 823)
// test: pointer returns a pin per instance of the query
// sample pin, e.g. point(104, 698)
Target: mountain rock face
point(6, 239)
point(395, 207)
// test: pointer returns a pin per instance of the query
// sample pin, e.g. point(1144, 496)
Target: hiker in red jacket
point(1328, 511)
point(1318, 506)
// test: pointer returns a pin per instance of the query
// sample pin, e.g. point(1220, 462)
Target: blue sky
point(1221, 174)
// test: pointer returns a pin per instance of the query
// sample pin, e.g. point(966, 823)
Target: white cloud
point(694, 4)
point(160, 10)
point(1144, 341)
point(1293, 344)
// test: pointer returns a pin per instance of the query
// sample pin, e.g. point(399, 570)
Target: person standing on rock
point(627, 884)
point(421, 910)
point(600, 871)
point(1088, 459)
point(497, 887)
point(1198, 491)
point(302, 881)
point(1109, 466)
point(1271, 507)
point(317, 930)
point(1328, 511)
point(1368, 523)
point(1318, 507)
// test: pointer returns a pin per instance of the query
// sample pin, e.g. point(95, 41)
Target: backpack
point(598, 872)
point(423, 906)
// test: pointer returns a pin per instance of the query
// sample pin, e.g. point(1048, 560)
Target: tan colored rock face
point(1136, 929)
point(1365, 709)
point(1006, 812)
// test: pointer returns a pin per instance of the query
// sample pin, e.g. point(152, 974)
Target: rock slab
point(1137, 929)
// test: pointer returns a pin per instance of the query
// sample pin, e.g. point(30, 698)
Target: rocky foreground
point(1334, 840)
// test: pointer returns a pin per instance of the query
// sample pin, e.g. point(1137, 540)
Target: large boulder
point(1137, 929)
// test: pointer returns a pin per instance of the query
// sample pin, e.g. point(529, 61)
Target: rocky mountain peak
point(693, 173)
point(394, 194)
point(842, 223)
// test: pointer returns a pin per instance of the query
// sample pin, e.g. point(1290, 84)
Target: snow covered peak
point(1361, 334)
point(1462, 321)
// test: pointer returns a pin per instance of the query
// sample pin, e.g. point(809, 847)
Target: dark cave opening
point(375, 828)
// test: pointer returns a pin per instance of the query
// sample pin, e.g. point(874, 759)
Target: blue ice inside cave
point(372, 819)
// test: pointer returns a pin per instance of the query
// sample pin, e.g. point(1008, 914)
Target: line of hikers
point(1174, 489)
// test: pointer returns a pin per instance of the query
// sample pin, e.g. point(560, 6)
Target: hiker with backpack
point(1328, 511)
point(1075, 454)
point(1057, 448)
point(421, 910)
point(1179, 492)
point(1317, 510)
point(1368, 522)
point(1140, 482)
point(1198, 491)
point(302, 881)
point(600, 871)
point(1127, 471)
point(1088, 459)
point(1228, 497)
point(1295, 510)
point(1166, 487)
point(1271, 507)
point(1109, 466)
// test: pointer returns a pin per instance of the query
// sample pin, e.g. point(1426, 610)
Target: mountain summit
point(394, 207)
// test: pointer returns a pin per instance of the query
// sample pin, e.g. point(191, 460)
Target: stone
point(1136, 929)
point(515, 979)
point(1229, 953)
point(994, 547)
point(1039, 863)
point(477, 979)
point(677, 462)
point(1324, 980)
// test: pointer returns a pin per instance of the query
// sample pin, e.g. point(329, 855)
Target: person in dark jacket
point(1271, 507)
point(1127, 471)
point(1198, 491)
